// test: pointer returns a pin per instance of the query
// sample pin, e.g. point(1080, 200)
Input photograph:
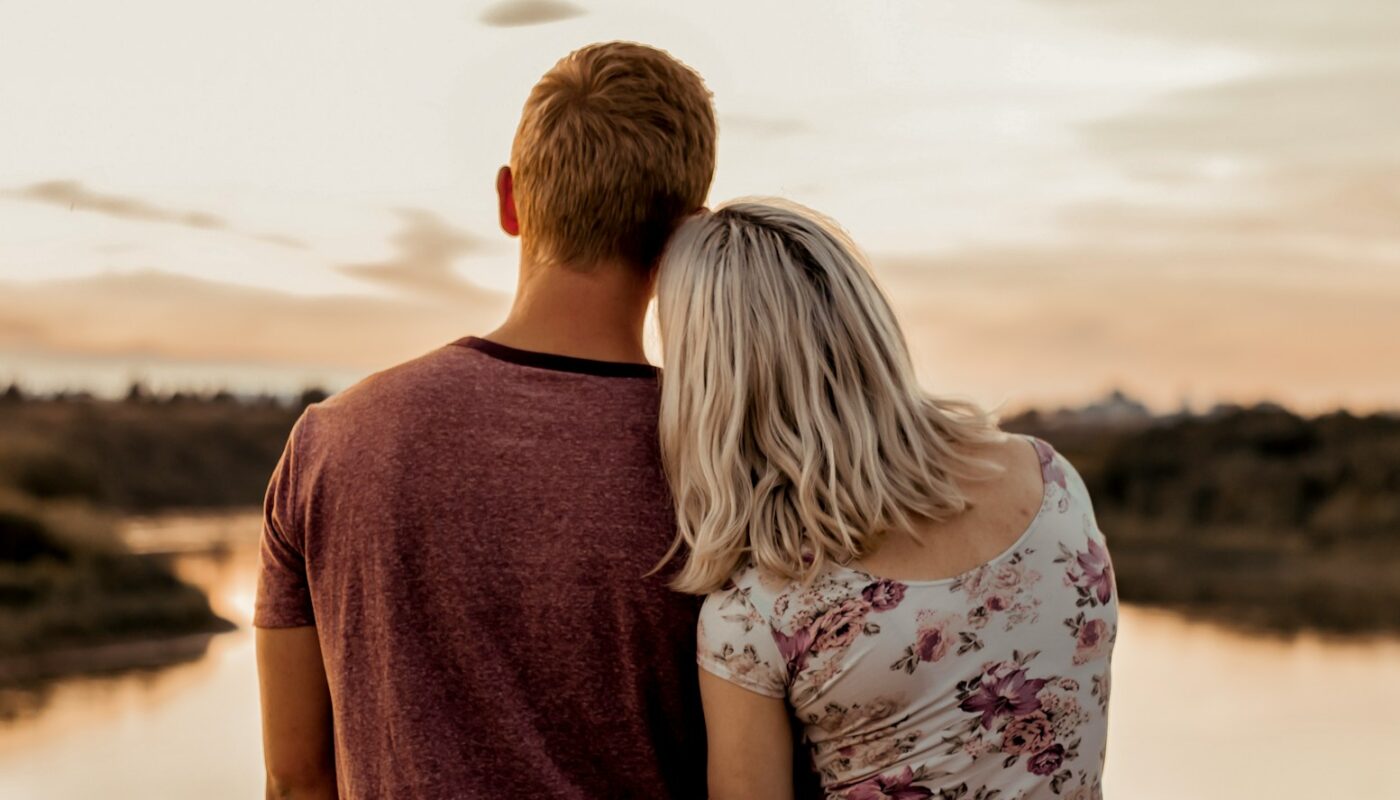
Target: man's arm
point(750, 742)
point(298, 740)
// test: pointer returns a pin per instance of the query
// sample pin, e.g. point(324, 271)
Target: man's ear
point(505, 192)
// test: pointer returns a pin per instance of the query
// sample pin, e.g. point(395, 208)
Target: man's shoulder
point(448, 374)
point(418, 380)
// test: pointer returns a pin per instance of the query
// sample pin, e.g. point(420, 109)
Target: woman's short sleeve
point(735, 640)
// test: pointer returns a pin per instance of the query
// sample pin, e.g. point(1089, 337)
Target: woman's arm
point(750, 742)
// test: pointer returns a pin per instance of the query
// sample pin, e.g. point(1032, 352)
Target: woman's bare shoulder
point(1017, 474)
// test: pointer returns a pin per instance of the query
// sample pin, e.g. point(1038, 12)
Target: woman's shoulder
point(782, 602)
point(1030, 461)
point(1037, 477)
point(1064, 487)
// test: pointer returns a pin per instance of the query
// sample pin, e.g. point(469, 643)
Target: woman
point(929, 597)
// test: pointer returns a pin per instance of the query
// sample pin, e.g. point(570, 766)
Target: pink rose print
point(1009, 576)
point(1092, 641)
point(932, 641)
point(977, 582)
point(1029, 734)
point(889, 787)
point(883, 595)
point(934, 637)
point(933, 644)
point(839, 627)
point(1048, 760)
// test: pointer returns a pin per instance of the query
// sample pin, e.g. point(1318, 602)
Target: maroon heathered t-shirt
point(469, 533)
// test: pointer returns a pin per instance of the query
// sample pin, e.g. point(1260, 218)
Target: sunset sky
point(1193, 201)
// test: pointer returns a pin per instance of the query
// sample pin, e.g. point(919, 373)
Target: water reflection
point(183, 731)
point(1199, 712)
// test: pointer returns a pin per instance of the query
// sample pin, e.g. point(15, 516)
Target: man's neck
point(597, 314)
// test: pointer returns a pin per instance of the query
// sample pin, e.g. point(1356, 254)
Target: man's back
point(472, 530)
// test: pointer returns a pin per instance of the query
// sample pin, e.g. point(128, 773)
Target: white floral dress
point(989, 685)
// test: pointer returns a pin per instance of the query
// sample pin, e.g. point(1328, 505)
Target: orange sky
point(1192, 201)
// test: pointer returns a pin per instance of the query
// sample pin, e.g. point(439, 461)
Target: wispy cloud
point(280, 239)
point(74, 196)
point(426, 248)
point(519, 13)
point(760, 125)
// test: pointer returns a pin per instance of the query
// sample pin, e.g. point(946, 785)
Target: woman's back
point(995, 679)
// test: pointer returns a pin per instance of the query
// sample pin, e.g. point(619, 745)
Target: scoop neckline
point(999, 557)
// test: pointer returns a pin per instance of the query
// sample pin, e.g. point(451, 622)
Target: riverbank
point(115, 657)
point(74, 598)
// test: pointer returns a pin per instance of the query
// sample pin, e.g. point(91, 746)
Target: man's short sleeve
point(284, 596)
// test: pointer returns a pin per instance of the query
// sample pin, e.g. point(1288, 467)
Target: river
point(1199, 712)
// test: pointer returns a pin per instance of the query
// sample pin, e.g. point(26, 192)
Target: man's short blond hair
point(615, 146)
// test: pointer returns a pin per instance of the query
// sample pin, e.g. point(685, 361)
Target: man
point(454, 599)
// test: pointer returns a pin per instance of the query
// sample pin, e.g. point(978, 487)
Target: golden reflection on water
point(187, 731)
point(1205, 713)
point(1199, 712)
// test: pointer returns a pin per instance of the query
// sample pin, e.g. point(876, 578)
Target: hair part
point(793, 430)
point(616, 144)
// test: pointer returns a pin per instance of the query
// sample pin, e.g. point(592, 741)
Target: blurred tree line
point(146, 452)
point(1256, 516)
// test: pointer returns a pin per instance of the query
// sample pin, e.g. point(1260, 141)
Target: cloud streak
point(74, 196)
point(520, 13)
point(426, 247)
point(760, 125)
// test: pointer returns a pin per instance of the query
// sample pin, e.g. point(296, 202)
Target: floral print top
point(991, 685)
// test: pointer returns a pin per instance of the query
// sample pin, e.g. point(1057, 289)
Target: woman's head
point(792, 426)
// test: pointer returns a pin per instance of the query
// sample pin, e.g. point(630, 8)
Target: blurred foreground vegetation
point(70, 468)
point(66, 582)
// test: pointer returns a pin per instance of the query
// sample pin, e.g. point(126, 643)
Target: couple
point(460, 594)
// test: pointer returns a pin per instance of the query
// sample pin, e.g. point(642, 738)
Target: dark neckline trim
point(556, 362)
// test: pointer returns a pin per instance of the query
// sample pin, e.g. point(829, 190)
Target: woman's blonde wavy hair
point(792, 428)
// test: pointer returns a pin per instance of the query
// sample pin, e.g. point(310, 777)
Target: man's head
point(615, 146)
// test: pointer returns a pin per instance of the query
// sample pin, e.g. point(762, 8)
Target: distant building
point(1116, 409)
